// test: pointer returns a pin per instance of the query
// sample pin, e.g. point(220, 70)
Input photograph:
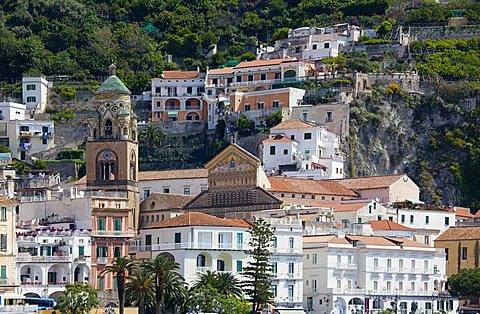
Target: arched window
point(289, 75)
point(108, 128)
point(201, 260)
point(95, 133)
point(134, 135)
point(232, 164)
point(133, 168)
point(106, 166)
point(125, 131)
point(163, 217)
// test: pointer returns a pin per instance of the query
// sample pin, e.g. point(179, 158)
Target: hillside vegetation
point(80, 37)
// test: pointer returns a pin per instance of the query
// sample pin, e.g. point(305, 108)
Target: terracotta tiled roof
point(374, 182)
point(226, 70)
point(463, 213)
point(325, 239)
point(293, 124)
point(370, 240)
point(477, 214)
point(199, 219)
point(8, 201)
point(299, 186)
point(165, 201)
point(460, 233)
point(261, 63)
point(277, 140)
point(304, 201)
point(388, 225)
point(172, 174)
point(163, 175)
point(352, 207)
point(179, 74)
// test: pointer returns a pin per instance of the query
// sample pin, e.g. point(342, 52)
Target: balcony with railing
point(290, 250)
point(290, 300)
point(401, 292)
point(394, 270)
point(102, 260)
point(113, 233)
point(27, 258)
point(349, 291)
point(190, 246)
point(287, 276)
point(345, 266)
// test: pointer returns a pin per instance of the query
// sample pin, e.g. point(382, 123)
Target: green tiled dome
point(113, 84)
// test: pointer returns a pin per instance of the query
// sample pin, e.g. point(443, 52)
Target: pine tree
point(258, 285)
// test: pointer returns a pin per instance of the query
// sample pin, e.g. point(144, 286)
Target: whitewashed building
point(49, 258)
point(12, 111)
point(201, 242)
point(368, 274)
point(427, 223)
point(302, 150)
point(26, 137)
point(35, 93)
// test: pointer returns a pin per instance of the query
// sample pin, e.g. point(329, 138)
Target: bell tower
point(112, 169)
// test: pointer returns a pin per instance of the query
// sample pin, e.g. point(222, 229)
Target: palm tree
point(204, 279)
point(140, 290)
point(175, 297)
point(152, 135)
point(160, 267)
point(228, 284)
point(120, 267)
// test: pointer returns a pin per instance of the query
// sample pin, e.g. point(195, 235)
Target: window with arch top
point(108, 128)
point(107, 166)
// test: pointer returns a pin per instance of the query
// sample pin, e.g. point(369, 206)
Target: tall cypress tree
point(258, 285)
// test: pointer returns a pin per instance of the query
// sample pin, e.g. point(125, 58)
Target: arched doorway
point(204, 262)
point(56, 296)
point(355, 306)
point(31, 274)
point(81, 274)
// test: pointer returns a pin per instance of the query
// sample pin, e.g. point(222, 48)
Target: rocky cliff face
point(415, 134)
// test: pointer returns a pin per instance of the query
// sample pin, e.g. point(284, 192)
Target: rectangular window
point(446, 255)
point(263, 76)
point(102, 251)
point(425, 286)
point(427, 240)
point(314, 285)
point(278, 75)
point(412, 286)
point(276, 104)
point(326, 45)
point(186, 191)
point(260, 105)
point(339, 284)
point(411, 219)
point(290, 291)
point(101, 223)
point(274, 268)
point(402, 219)
point(310, 303)
point(3, 214)
point(339, 259)
point(329, 116)
point(447, 221)
point(375, 285)
point(272, 150)
point(291, 268)
point(389, 264)
point(31, 87)
point(427, 220)
point(389, 285)
point(239, 266)
point(285, 151)
point(117, 223)
point(115, 284)
point(250, 77)
point(3, 272)
point(166, 190)
point(307, 136)
point(247, 107)
point(413, 264)
point(178, 237)
point(291, 241)
point(400, 286)
point(101, 283)
point(375, 263)
point(146, 193)
point(239, 78)
point(425, 264)
point(400, 264)
point(117, 251)
point(31, 99)
point(314, 258)
point(314, 47)
point(189, 90)
point(464, 253)
point(274, 291)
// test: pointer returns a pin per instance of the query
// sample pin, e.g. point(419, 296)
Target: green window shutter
point(101, 224)
point(239, 266)
point(118, 225)
point(3, 272)
point(81, 251)
point(101, 283)
point(115, 284)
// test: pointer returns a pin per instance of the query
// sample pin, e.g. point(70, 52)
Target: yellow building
point(8, 244)
point(461, 244)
